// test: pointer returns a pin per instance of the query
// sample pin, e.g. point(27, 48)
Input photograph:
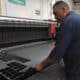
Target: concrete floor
point(36, 53)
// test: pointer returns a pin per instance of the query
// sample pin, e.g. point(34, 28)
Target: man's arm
point(64, 41)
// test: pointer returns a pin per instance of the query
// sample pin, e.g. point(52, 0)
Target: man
point(68, 42)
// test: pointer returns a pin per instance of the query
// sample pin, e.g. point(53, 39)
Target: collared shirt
point(68, 45)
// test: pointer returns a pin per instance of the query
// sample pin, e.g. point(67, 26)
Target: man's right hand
point(39, 67)
point(43, 64)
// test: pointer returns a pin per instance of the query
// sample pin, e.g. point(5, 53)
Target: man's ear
point(64, 9)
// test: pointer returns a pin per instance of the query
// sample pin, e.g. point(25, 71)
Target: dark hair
point(61, 4)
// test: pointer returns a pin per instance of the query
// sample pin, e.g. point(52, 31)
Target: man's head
point(60, 10)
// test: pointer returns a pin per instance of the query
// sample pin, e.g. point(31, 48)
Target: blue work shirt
point(68, 45)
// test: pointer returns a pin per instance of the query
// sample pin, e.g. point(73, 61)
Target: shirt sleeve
point(64, 41)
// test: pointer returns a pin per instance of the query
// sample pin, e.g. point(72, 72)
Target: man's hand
point(39, 67)
point(43, 64)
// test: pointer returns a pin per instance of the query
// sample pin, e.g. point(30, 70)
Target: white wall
point(27, 11)
point(46, 9)
point(3, 8)
point(31, 7)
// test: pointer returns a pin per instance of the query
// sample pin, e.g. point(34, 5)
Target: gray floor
point(36, 53)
